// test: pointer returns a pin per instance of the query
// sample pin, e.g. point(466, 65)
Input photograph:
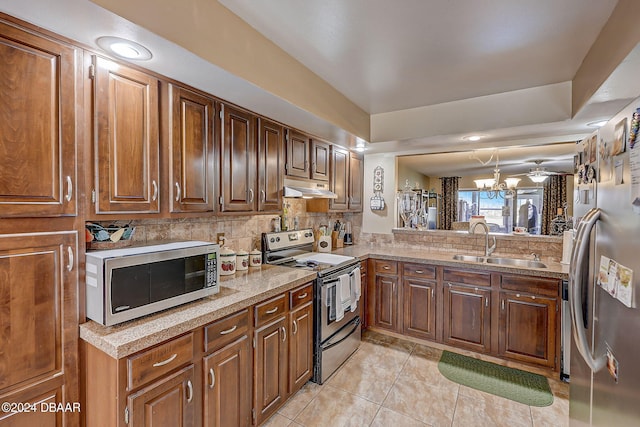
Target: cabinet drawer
point(468, 277)
point(271, 309)
point(300, 296)
point(224, 331)
point(536, 285)
point(385, 267)
point(419, 270)
point(157, 361)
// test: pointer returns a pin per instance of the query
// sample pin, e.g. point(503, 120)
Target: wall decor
point(377, 201)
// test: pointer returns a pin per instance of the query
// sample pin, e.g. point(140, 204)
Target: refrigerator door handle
point(576, 282)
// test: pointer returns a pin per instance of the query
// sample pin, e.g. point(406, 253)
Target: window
point(499, 212)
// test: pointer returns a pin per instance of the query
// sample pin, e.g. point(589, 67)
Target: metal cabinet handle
point(419, 271)
point(212, 378)
point(250, 195)
point(177, 192)
point(273, 310)
point(503, 304)
point(433, 291)
point(71, 258)
point(69, 189)
point(228, 331)
point(263, 196)
point(302, 295)
point(386, 267)
point(155, 190)
point(295, 327)
point(486, 302)
point(189, 391)
point(164, 362)
point(284, 334)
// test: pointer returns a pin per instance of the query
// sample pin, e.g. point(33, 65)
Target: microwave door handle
point(576, 283)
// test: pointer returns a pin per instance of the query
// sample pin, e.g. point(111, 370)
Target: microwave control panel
point(211, 270)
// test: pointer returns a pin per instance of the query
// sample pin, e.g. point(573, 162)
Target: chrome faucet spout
point(488, 250)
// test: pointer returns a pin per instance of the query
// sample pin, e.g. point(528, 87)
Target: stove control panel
point(288, 239)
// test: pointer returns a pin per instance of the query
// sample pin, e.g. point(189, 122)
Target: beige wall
point(416, 179)
point(380, 221)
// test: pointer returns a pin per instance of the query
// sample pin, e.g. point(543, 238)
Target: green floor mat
point(520, 386)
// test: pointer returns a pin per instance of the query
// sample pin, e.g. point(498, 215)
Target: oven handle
point(333, 344)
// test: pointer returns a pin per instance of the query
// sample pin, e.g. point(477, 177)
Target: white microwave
point(124, 284)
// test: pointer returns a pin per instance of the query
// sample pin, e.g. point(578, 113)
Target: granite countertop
point(246, 288)
point(237, 292)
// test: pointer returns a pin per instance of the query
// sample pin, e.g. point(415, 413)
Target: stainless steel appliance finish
point(602, 325)
point(124, 284)
point(334, 340)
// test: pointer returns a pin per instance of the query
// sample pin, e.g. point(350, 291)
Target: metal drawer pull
point(302, 295)
point(71, 258)
point(69, 189)
point(386, 267)
point(164, 362)
point(177, 192)
point(212, 378)
point(284, 334)
point(228, 331)
point(419, 271)
point(273, 310)
point(189, 391)
point(295, 327)
point(155, 190)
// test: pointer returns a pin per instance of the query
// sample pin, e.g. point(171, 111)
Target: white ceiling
point(393, 55)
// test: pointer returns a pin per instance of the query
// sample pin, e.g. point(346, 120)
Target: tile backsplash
point(241, 231)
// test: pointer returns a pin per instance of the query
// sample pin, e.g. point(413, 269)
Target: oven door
point(327, 324)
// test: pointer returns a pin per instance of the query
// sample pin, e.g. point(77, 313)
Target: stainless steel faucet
point(488, 250)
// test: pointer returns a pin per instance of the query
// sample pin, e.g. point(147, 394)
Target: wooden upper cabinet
point(319, 160)
point(297, 154)
point(339, 183)
point(238, 161)
point(356, 172)
point(39, 318)
point(270, 166)
point(127, 141)
point(38, 101)
point(191, 151)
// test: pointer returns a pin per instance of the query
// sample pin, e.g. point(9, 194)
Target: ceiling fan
point(539, 174)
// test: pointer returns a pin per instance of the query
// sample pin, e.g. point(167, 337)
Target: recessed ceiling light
point(597, 124)
point(123, 48)
point(473, 138)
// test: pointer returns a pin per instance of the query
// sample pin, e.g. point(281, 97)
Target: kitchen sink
point(512, 262)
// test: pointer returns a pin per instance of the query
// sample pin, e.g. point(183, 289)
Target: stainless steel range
point(337, 289)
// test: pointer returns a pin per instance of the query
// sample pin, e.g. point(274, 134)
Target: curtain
point(555, 196)
point(448, 208)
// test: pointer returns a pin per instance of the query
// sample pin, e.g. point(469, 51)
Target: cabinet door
point(528, 328)
point(420, 308)
point(38, 101)
point(339, 178)
point(168, 402)
point(385, 302)
point(127, 141)
point(300, 347)
point(191, 152)
point(270, 166)
point(39, 320)
point(297, 154)
point(319, 160)
point(356, 171)
point(467, 320)
point(227, 388)
point(270, 369)
point(238, 161)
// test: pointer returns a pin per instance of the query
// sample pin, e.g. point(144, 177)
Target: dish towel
point(330, 302)
point(356, 288)
point(345, 291)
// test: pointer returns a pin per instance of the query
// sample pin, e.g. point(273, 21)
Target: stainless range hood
point(307, 190)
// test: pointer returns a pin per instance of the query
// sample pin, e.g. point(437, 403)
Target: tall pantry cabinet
point(40, 89)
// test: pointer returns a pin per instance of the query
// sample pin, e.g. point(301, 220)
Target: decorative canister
point(242, 260)
point(227, 262)
point(255, 258)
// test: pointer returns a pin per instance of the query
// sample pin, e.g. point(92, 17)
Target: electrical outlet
point(220, 238)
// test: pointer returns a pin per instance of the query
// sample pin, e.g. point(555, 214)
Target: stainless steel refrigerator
point(604, 282)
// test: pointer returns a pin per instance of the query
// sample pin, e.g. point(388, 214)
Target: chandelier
point(493, 187)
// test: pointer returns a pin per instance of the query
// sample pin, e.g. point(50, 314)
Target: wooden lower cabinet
point(227, 388)
point(168, 402)
point(270, 367)
point(528, 328)
point(419, 308)
point(467, 317)
point(385, 307)
point(300, 347)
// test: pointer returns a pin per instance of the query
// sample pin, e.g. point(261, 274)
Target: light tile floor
point(392, 382)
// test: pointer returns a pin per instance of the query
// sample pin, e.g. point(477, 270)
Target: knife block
point(336, 241)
